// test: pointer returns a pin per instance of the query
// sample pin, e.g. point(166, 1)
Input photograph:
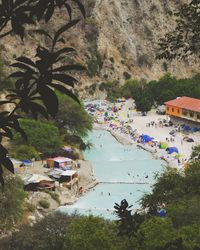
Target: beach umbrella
point(163, 145)
point(178, 156)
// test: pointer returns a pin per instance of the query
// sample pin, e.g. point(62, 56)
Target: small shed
point(60, 162)
point(34, 182)
point(63, 176)
point(68, 175)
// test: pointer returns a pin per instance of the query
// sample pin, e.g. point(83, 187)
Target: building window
point(178, 111)
point(185, 113)
point(198, 116)
point(167, 108)
point(172, 109)
point(191, 114)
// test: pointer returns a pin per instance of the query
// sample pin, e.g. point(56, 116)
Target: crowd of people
point(119, 118)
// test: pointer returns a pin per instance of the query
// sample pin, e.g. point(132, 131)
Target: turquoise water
point(114, 163)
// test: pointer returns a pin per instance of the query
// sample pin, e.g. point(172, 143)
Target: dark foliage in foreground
point(36, 80)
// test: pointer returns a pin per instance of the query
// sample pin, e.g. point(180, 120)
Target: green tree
point(184, 39)
point(184, 212)
point(172, 186)
point(190, 236)
point(130, 88)
point(143, 100)
point(155, 233)
point(88, 233)
point(168, 187)
point(144, 104)
point(49, 234)
point(72, 117)
point(12, 203)
point(41, 135)
point(22, 152)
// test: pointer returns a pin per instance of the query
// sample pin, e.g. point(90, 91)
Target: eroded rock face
point(128, 34)
point(117, 40)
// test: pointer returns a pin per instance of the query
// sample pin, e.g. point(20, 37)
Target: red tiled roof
point(185, 103)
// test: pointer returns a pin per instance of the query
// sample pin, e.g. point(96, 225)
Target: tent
point(27, 162)
point(186, 128)
point(172, 150)
point(163, 145)
point(195, 129)
point(147, 138)
point(59, 162)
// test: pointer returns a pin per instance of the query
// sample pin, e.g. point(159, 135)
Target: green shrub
point(88, 233)
point(22, 152)
point(144, 60)
point(94, 64)
point(126, 75)
point(44, 203)
point(89, 20)
point(43, 136)
point(30, 207)
point(5, 82)
point(12, 202)
point(165, 66)
point(48, 234)
point(72, 117)
point(54, 196)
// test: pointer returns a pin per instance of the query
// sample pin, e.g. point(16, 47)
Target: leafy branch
point(184, 40)
point(35, 80)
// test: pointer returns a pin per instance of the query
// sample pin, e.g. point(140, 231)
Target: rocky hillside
point(118, 40)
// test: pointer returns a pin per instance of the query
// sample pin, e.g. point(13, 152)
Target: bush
point(5, 82)
point(94, 64)
point(54, 196)
point(72, 117)
point(88, 233)
point(48, 234)
point(30, 207)
point(44, 203)
point(126, 75)
point(43, 136)
point(22, 152)
point(144, 60)
point(12, 202)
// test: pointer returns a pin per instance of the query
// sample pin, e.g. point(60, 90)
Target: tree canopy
point(72, 117)
point(42, 136)
point(184, 39)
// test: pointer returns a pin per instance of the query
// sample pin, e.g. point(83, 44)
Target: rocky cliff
point(118, 40)
point(128, 32)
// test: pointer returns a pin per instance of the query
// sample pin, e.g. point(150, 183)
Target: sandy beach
point(140, 123)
